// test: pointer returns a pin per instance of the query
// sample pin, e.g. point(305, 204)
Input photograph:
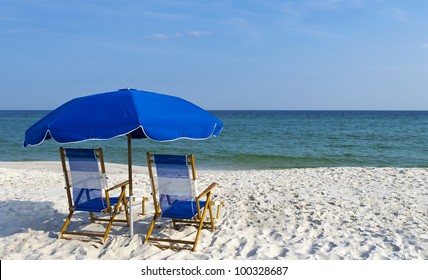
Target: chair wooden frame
point(112, 211)
point(199, 220)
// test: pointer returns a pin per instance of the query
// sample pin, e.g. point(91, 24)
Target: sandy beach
point(350, 213)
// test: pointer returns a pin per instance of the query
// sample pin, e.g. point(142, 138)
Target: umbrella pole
point(130, 164)
point(131, 196)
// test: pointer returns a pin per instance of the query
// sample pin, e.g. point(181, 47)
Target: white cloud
point(198, 33)
point(399, 14)
point(332, 4)
point(245, 27)
point(176, 35)
point(425, 45)
point(159, 36)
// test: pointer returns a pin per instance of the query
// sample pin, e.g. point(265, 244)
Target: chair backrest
point(85, 182)
point(175, 179)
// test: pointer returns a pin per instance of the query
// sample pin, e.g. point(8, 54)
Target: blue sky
point(254, 54)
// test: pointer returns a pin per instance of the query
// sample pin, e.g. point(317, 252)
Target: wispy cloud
point(198, 33)
point(296, 16)
point(332, 4)
point(177, 35)
point(159, 36)
point(399, 14)
point(425, 45)
point(245, 27)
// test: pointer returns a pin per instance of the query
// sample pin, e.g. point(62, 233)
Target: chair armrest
point(118, 186)
point(207, 190)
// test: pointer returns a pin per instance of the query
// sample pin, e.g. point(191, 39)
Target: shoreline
point(42, 164)
point(334, 213)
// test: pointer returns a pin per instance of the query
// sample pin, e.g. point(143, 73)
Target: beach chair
point(87, 191)
point(175, 196)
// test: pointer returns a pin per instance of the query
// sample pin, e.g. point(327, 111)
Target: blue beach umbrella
point(137, 114)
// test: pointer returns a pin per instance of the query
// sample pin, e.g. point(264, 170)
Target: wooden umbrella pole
point(131, 197)
point(130, 164)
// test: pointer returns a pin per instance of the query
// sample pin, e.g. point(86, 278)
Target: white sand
point(319, 213)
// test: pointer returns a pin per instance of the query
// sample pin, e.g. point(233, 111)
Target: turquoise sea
point(262, 140)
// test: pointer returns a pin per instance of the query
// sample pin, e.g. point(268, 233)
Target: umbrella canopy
point(137, 114)
point(141, 114)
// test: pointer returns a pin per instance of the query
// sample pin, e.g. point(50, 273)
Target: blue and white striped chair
point(87, 190)
point(175, 196)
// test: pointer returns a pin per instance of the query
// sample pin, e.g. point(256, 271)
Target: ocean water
point(261, 140)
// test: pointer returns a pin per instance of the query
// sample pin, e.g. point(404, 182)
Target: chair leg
point(143, 205)
point(67, 221)
point(92, 217)
point(108, 228)
point(201, 222)
point(211, 217)
point(113, 215)
point(152, 226)
point(127, 213)
point(125, 204)
point(218, 210)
